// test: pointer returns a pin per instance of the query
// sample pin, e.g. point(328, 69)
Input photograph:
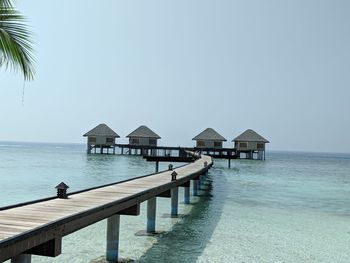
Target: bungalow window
point(217, 144)
point(152, 141)
point(243, 145)
point(92, 139)
point(110, 140)
point(135, 141)
point(200, 144)
point(260, 146)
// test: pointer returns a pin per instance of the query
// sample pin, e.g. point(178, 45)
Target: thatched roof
point(102, 130)
point(250, 136)
point(144, 132)
point(209, 134)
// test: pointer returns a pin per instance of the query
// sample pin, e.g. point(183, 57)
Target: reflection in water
point(189, 237)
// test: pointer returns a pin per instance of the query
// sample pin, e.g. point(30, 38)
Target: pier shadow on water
point(188, 238)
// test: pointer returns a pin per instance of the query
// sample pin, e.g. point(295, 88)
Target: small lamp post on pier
point(62, 190)
point(173, 176)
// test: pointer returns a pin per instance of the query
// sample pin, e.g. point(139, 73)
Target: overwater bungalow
point(209, 138)
point(101, 137)
point(143, 136)
point(250, 142)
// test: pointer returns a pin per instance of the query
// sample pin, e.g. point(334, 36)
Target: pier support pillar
point(89, 147)
point(113, 224)
point(151, 215)
point(23, 258)
point(195, 187)
point(200, 182)
point(174, 201)
point(187, 195)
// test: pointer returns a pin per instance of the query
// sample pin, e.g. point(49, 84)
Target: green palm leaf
point(15, 45)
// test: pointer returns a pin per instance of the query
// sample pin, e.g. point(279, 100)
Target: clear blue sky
point(278, 67)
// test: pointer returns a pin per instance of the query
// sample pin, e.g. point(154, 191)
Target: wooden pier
point(177, 154)
point(37, 228)
point(224, 153)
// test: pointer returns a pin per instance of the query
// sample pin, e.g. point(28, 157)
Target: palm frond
point(15, 45)
point(6, 3)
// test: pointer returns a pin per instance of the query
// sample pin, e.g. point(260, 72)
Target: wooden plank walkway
point(25, 228)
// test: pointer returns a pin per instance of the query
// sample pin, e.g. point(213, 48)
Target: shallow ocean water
point(293, 207)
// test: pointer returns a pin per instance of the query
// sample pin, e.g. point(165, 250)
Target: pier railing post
point(113, 224)
point(151, 215)
point(23, 258)
point(174, 201)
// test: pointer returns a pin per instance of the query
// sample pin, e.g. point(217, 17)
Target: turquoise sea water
point(293, 207)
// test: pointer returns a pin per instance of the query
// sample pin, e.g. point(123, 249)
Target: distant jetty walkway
point(37, 228)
